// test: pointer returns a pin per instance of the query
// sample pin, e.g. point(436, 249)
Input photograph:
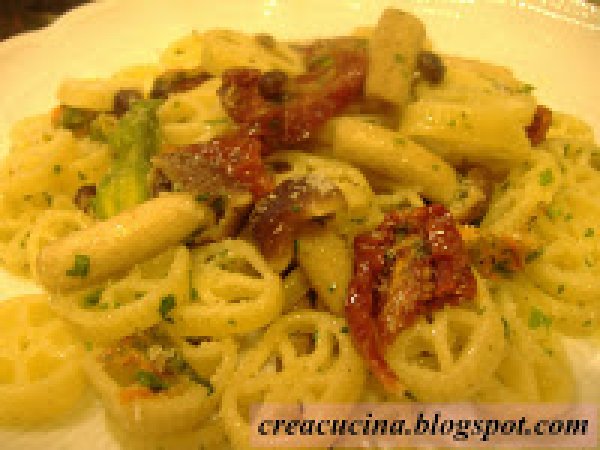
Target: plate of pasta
point(293, 202)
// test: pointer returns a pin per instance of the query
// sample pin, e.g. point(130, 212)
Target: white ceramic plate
point(552, 44)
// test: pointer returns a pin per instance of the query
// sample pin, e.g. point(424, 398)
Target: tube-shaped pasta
point(112, 246)
point(394, 45)
point(392, 155)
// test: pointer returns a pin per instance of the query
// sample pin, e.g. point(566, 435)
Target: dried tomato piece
point(542, 119)
point(396, 282)
point(335, 78)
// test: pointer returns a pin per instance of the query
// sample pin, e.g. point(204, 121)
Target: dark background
point(17, 16)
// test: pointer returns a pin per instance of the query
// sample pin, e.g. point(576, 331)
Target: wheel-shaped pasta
point(450, 357)
point(534, 368)
point(234, 291)
point(40, 373)
point(150, 385)
point(526, 190)
point(305, 356)
point(193, 116)
point(144, 297)
point(565, 269)
point(49, 226)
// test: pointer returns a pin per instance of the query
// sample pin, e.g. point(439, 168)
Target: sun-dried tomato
point(542, 119)
point(411, 265)
point(335, 78)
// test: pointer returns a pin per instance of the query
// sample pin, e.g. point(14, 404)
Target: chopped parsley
point(219, 121)
point(410, 395)
point(82, 176)
point(56, 169)
point(202, 382)
point(560, 289)
point(151, 381)
point(537, 319)
point(344, 329)
point(546, 177)
point(81, 267)
point(506, 326)
point(399, 141)
point(568, 217)
point(296, 208)
point(589, 232)
point(566, 149)
point(231, 322)
point(452, 123)
point(296, 247)
point(167, 304)
point(588, 262)
point(400, 59)
point(202, 197)
point(323, 61)
point(587, 323)
point(533, 255)
point(525, 89)
point(193, 294)
point(88, 346)
point(435, 167)
point(358, 220)
point(92, 299)
point(332, 287)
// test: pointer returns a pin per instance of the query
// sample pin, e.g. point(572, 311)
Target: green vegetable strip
point(134, 141)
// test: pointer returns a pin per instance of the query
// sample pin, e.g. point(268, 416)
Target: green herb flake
point(400, 59)
point(231, 322)
point(202, 382)
point(202, 197)
point(525, 89)
point(553, 212)
point(92, 299)
point(82, 176)
point(345, 329)
point(88, 346)
point(219, 121)
point(296, 247)
point(560, 289)
point(548, 352)
point(588, 262)
point(151, 381)
point(587, 323)
point(506, 327)
point(452, 123)
point(546, 177)
point(81, 266)
point(57, 169)
point(167, 304)
point(322, 61)
point(332, 287)
point(194, 294)
point(533, 255)
point(566, 149)
point(537, 319)
point(296, 208)
point(435, 167)
point(48, 198)
point(399, 141)
point(410, 395)
point(589, 232)
point(568, 217)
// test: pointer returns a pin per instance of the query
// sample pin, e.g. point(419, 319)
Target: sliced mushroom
point(276, 218)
